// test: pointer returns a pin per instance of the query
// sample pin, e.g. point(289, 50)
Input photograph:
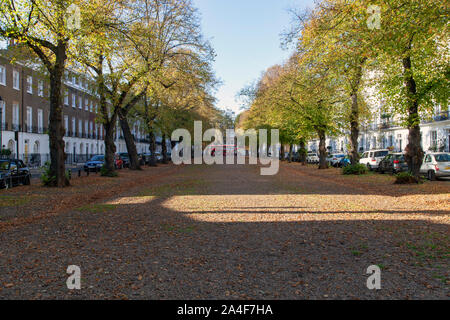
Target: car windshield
point(442, 157)
point(4, 165)
point(381, 153)
point(98, 158)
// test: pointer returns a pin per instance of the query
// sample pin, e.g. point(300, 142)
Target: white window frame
point(74, 125)
point(29, 84)
point(16, 80)
point(2, 120)
point(3, 75)
point(66, 124)
point(29, 120)
point(40, 88)
point(66, 97)
point(86, 104)
point(16, 114)
point(40, 121)
point(74, 100)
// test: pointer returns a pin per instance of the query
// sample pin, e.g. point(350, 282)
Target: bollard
point(70, 174)
point(79, 173)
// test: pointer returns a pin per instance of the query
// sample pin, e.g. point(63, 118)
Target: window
point(16, 80)
point(66, 97)
point(2, 75)
point(74, 100)
point(40, 88)
point(29, 119)
point(86, 127)
point(2, 120)
point(74, 80)
point(30, 84)
point(80, 106)
point(66, 124)
point(80, 127)
point(91, 128)
point(433, 139)
point(40, 121)
point(86, 104)
point(16, 116)
point(74, 126)
point(92, 106)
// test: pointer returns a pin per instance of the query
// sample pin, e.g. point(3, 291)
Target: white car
point(436, 165)
point(372, 158)
point(312, 157)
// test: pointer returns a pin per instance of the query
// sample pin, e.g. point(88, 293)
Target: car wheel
point(431, 175)
point(369, 167)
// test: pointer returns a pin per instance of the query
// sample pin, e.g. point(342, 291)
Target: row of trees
point(146, 59)
point(397, 47)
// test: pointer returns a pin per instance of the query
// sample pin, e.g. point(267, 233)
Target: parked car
point(13, 172)
point(312, 157)
point(94, 164)
point(436, 165)
point(125, 158)
point(295, 157)
point(372, 158)
point(393, 163)
point(335, 158)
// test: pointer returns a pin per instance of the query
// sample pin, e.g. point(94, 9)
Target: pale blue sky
point(246, 37)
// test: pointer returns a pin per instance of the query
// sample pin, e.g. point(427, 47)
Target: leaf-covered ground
point(225, 232)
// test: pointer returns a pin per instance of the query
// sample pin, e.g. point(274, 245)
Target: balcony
point(442, 116)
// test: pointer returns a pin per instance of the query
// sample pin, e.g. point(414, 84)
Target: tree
point(43, 27)
point(335, 36)
point(414, 67)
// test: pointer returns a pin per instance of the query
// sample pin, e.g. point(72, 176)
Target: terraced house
point(386, 132)
point(25, 108)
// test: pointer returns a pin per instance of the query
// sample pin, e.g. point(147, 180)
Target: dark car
point(126, 159)
point(13, 172)
point(95, 164)
point(393, 163)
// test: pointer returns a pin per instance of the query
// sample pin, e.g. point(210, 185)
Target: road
point(226, 232)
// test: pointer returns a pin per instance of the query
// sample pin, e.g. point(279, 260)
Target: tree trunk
point(153, 162)
point(303, 152)
point(322, 150)
point(354, 130)
point(129, 140)
point(110, 148)
point(56, 129)
point(164, 149)
point(354, 115)
point(414, 152)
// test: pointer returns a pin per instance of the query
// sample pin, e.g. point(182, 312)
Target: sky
point(246, 37)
